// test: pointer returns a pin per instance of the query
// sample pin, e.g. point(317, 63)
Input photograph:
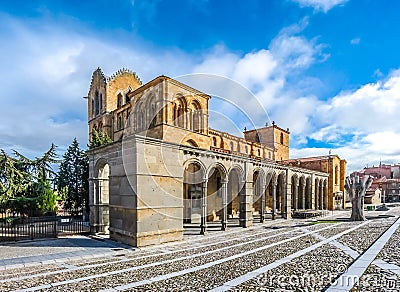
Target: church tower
point(106, 94)
point(271, 136)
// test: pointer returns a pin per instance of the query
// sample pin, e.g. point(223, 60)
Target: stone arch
point(258, 179)
point(308, 193)
point(193, 191)
point(325, 194)
point(99, 213)
point(316, 193)
point(295, 191)
point(191, 142)
point(180, 111)
point(196, 116)
point(281, 200)
point(302, 192)
point(217, 193)
point(235, 196)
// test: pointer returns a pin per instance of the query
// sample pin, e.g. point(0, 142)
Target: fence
point(16, 227)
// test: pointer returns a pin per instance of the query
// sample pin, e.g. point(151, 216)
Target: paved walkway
point(47, 251)
point(233, 259)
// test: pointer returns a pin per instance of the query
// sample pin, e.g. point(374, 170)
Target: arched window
point(231, 146)
point(96, 103)
point(245, 149)
point(269, 155)
point(181, 122)
point(197, 120)
point(281, 138)
point(100, 103)
point(259, 152)
point(214, 142)
point(119, 100)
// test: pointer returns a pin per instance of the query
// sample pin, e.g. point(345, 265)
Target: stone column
point(296, 196)
point(317, 195)
point(262, 211)
point(303, 196)
point(274, 184)
point(224, 205)
point(312, 192)
point(203, 222)
point(324, 201)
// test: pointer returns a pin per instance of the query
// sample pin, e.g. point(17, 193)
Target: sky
point(329, 70)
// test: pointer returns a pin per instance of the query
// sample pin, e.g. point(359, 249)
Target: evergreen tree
point(98, 138)
point(73, 177)
point(25, 183)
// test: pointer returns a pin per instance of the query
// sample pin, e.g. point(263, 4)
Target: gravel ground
point(391, 251)
point(376, 279)
point(364, 236)
point(215, 276)
point(141, 273)
point(337, 228)
point(311, 272)
point(202, 250)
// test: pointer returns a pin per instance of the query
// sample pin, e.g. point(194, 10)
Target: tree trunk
point(357, 209)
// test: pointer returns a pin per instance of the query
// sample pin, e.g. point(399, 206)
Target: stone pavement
point(284, 255)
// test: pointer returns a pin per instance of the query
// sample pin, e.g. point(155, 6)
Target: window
point(196, 120)
point(214, 142)
point(245, 149)
point(269, 155)
point(119, 100)
point(281, 138)
point(100, 103)
point(259, 153)
point(96, 103)
point(231, 146)
point(257, 138)
point(119, 122)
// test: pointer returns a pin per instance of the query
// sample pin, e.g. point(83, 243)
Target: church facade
point(166, 167)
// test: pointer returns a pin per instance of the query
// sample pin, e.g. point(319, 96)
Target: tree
point(73, 176)
point(99, 138)
point(356, 189)
point(25, 183)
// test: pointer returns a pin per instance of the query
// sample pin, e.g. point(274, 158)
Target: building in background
point(335, 167)
point(386, 178)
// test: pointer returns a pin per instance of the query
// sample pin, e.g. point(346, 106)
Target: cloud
point(46, 71)
point(355, 41)
point(320, 5)
point(361, 125)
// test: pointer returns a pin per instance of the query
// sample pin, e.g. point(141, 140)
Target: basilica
point(165, 166)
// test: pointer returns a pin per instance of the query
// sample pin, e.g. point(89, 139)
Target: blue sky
point(328, 70)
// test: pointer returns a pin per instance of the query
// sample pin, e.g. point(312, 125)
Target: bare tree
point(356, 188)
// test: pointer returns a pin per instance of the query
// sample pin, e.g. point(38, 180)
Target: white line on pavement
point(207, 265)
point(351, 277)
point(239, 280)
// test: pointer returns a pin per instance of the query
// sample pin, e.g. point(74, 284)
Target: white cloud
point(363, 123)
point(45, 73)
point(320, 5)
point(355, 41)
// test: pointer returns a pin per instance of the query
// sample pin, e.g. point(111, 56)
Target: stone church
point(166, 167)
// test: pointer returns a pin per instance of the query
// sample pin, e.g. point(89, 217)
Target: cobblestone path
point(292, 255)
